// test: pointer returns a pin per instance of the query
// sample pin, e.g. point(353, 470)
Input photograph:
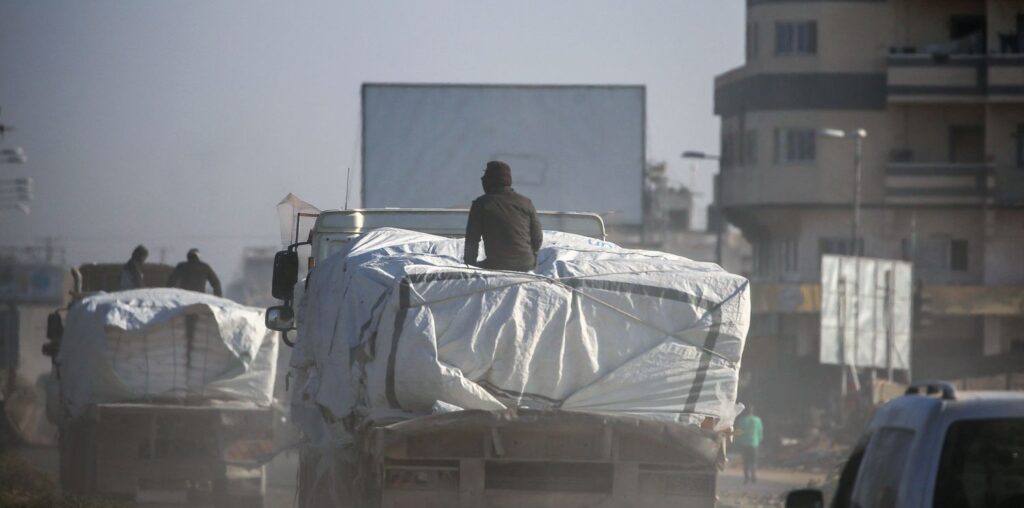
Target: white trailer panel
point(571, 148)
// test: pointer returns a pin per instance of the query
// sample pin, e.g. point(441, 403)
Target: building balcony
point(1005, 77)
point(938, 183)
point(916, 77)
point(936, 78)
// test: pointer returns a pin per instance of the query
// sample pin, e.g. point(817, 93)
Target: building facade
point(939, 87)
point(667, 227)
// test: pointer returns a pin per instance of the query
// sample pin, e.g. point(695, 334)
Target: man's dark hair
point(140, 253)
point(193, 255)
point(497, 174)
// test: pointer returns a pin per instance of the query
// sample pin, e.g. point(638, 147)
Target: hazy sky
point(181, 124)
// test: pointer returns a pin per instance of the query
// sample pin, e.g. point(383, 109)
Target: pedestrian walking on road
point(193, 275)
point(131, 273)
point(507, 222)
point(750, 433)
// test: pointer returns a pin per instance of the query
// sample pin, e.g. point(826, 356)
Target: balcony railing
point(923, 77)
point(920, 77)
point(941, 183)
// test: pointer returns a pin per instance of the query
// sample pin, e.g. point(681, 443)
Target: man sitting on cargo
point(507, 222)
point(194, 274)
point(131, 272)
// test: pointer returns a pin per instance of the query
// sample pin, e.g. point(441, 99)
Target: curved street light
point(858, 136)
point(717, 200)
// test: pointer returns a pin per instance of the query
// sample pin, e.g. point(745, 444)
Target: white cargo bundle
point(398, 326)
point(164, 345)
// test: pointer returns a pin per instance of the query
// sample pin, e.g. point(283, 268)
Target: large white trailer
point(571, 147)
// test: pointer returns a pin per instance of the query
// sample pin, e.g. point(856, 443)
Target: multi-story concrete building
point(939, 87)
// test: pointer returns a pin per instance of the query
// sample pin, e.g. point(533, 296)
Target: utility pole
point(854, 250)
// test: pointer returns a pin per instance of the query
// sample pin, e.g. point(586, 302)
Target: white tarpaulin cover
point(396, 325)
point(164, 344)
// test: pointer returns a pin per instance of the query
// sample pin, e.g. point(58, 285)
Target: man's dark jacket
point(193, 275)
point(508, 224)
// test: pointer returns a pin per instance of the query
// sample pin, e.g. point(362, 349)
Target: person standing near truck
point(193, 275)
point(131, 273)
point(750, 433)
point(507, 222)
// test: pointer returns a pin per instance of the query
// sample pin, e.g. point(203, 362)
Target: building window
point(775, 256)
point(749, 155)
point(841, 246)
point(796, 38)
point(728, 148)
point(794, 145)
point(789, 256)
point(937, 253)
point(958, 255)
point(751, 42)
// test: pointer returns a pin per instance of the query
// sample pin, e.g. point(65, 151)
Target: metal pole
point(856, 195)
point(718, 215)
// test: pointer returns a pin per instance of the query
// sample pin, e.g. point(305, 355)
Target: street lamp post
point(858, 136)
point(717, 198)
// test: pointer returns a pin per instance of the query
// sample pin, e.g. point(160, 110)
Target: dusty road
point(769, 491)
point(280, 475)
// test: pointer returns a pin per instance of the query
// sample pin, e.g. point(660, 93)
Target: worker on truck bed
point(507, 222)
point(131, 273)
point(194, 274)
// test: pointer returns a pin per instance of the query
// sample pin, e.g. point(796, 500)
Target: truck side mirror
point(805, 498)
point(286, 274)
point(280, 318)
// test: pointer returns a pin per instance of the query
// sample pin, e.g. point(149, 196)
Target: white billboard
point(866, 312)
point(571, 148)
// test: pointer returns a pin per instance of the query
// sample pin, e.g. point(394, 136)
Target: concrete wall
point(1002, 258)
point(1002, 18)
point(828, 179)
point(925, 128)
point(1001, 135)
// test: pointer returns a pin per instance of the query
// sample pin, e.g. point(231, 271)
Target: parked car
point(935, 447)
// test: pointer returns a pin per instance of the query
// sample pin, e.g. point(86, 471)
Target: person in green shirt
point(749, 433)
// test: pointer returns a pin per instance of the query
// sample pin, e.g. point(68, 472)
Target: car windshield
point(982, 465)
point(878, 481)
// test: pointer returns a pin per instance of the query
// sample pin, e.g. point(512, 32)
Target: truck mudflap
point(532, 458)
